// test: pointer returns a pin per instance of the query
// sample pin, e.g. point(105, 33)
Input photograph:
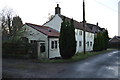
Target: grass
point(76, 57)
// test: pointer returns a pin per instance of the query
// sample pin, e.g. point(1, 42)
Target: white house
point(47, 35)
point(56, 21)
point(46, 38)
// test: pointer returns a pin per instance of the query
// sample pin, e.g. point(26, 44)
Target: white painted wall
point(54, 52)
point(40, 36)
point(55, 23)
point(36, 35)
point(79, 38)
point(89, 38)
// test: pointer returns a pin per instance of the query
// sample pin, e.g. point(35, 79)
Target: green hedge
point(19, 49)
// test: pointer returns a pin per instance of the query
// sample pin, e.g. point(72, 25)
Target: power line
point(105, 6)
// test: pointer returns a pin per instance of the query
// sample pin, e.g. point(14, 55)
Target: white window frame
point(80, 43)
point(88, 44)
point(80, 32)
point(54, 45)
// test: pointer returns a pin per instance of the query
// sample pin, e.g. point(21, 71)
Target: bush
point(19, 49)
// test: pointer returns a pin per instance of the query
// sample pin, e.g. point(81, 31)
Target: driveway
point(100, 66)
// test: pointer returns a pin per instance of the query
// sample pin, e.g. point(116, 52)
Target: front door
point(41, 50)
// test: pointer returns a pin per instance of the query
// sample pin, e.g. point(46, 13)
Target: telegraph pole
point(84, 41)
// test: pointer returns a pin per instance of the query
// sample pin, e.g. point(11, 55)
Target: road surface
point(100, 66)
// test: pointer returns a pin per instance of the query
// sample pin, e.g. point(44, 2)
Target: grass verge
point(76, 57)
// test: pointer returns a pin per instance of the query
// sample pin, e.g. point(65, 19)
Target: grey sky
point(105, 12)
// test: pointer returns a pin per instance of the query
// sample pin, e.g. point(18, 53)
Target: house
point(47, 35)
point(46, 38)
point(115, 39)
point(55, 23)
point(114, 42)
point(95, 28)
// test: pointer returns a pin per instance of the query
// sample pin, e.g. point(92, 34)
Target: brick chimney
point(57, 9)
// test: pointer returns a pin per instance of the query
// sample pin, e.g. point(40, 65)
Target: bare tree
point(6, 15)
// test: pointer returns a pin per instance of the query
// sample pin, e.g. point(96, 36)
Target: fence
point(19, 50)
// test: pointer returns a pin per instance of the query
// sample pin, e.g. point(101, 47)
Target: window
point(87, 34)
point(42, 47)
point(80, 32)
point(90, 43)
point(91, 35)
point(80, 43)
point(53, 44)
point(87, 43)
point(32, 41)
point(56, 44)
point(76, 31)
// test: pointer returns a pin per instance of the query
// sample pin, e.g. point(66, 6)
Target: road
point(100, 66)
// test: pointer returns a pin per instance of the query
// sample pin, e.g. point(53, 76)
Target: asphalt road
point(100, 66)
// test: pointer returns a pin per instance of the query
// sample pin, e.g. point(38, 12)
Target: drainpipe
point(48, 47)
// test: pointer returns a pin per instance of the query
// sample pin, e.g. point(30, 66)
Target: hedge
point(18, 49)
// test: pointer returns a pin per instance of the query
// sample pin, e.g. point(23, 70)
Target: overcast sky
point(105, 12)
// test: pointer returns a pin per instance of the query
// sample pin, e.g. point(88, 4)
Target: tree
point(67, 42)
point(17, 24)
point(101, 41)
point(6, 19)
point(17, 28)
point(106, 39)
point(97, 42)
point(6, 23)
point(95, 46)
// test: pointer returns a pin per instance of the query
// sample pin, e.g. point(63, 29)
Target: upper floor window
point(80, 32)
point(91, 35)
point(76, 31)
point(32, 41)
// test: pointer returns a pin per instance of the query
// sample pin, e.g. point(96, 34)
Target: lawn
point(76, 57)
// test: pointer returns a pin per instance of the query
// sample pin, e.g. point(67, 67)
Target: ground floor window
point(90, 43)
point(54, 44)
point(32, 41)
point(80, 43)
point(42, 47)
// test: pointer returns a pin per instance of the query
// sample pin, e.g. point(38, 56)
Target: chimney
point(97, 23)
point(57, 9)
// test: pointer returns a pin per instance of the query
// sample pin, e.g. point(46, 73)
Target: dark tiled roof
point(45, 30)
point(97, 28)
point(77, 25)
point(115, 37)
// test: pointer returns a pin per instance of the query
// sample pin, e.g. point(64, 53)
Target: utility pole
point(84, 41)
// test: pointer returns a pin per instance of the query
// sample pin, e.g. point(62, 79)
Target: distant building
point(115, 39)
point(114, 42)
